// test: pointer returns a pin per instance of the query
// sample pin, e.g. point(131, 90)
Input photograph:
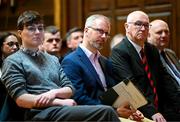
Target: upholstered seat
point(10, 111)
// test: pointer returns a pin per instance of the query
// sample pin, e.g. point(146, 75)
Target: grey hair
point(90, 20)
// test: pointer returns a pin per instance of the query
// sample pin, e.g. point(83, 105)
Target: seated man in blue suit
point(88, 70)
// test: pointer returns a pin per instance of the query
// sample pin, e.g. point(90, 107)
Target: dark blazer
point(127, 64)
point(84, 77)
point(171, 58)
point(172, 55)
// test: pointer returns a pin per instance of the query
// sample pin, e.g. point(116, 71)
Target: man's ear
point(19, 33)
point(86, 31)
point(126, 26)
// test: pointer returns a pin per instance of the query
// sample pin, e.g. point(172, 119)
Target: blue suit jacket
point(84, 77)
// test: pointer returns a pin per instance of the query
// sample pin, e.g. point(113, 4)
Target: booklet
point(124, 91)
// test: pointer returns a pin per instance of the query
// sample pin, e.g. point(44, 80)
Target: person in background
point(52, 42)
point(9, 44)
point(159, 35)
point(116, 39)
point(89, 71)
point(73, 38)
point(36, 81)
point(134, 58)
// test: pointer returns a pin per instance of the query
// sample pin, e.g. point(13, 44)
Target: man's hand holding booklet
point(124, 91)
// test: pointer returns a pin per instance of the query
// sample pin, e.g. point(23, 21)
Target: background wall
point(72, 13)
point(9, 13)
point(117, 11)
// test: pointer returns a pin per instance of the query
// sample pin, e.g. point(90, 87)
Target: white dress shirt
point(94, 60)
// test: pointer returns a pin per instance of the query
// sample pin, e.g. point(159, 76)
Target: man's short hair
point(51, 29)
point(68, 34)
point(28, 18)
point(90, 21)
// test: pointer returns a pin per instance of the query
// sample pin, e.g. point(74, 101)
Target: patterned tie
point(149, 75)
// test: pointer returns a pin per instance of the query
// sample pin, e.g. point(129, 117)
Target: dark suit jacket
point(172, 55)
point(84, 77)
point(127, 64)
point(171, 58)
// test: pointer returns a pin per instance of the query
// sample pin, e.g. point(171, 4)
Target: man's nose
point(143, 27)
point(37, 30)
point(104, 35)
point(163, 34)
point(54, 41)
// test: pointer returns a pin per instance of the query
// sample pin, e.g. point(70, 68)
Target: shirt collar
point(136, 46)
point(88, 53)
point(30, 51)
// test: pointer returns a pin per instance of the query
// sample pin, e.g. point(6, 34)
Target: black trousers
point(172, 116)
point(73, 113)
point(2, 94)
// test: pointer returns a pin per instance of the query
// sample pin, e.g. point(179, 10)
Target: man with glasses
point(89, 71)
point(36, 81)
point(138, 60)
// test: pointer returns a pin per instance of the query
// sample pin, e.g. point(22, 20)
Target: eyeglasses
point(11, 44)
point(139, 24)
point(100, 31)
point(33, 28)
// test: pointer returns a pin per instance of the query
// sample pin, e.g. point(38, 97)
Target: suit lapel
point(133, 53)
point(84, 59)
point(173, 59)
point(103, 63)
point(107, 70)
point(164, 64)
